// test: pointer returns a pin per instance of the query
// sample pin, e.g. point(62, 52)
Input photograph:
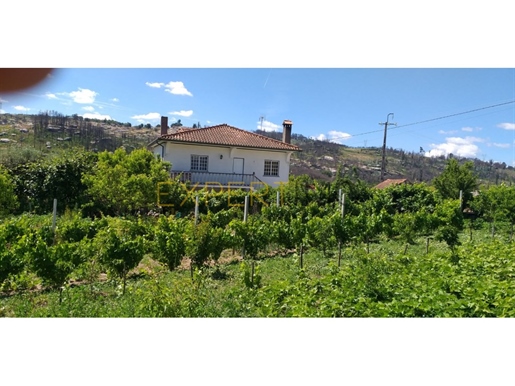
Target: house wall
point(254, 160)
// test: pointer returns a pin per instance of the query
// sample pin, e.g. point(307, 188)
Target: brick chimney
point(287, 131)
point(164, 125)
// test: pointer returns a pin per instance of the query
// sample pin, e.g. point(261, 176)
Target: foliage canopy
point(456, 178)
point(122, 183)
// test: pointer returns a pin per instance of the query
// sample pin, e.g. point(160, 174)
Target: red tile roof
point(226, 135)
point(390, 182)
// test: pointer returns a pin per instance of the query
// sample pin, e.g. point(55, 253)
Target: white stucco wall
point(254, 160)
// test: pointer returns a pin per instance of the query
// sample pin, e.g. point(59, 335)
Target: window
point(271, 168)
point(199, 162)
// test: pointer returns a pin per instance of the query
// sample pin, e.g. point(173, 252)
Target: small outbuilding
point(390, 182)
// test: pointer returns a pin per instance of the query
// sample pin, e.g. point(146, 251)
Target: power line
point(436, 119)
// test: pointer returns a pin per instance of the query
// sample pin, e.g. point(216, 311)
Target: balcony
point(218, 180)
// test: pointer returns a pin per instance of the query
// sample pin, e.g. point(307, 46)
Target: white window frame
point(271, 166)
point(199, 163)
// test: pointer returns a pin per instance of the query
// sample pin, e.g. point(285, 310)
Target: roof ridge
point(272, 143)
point(256, 134)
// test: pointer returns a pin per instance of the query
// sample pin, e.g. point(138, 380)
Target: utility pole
point(383, 166)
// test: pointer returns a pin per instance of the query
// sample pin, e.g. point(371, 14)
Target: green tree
point(405, 198)
point(122, 183)
point(38, 183)
point(8, 198)
point(176, 124)
point(497, 203)
point(11, 262)
point(356, 190)
point(456, 178)
point(508, 205)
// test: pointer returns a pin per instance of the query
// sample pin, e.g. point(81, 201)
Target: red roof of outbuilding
point(390, 182)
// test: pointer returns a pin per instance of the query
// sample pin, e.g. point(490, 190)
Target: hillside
point(321, 160)
point(25, 137)
point(28, 137)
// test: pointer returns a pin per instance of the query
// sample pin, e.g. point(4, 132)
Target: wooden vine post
point(342, 211)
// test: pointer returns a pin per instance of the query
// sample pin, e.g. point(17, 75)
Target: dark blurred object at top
point(16, 79)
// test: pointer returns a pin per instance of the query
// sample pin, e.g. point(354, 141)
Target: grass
point(211, 286)
point(364, 156)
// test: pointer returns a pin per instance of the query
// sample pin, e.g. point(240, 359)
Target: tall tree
point(177, 124)
point(456, 178)
point(121, 182)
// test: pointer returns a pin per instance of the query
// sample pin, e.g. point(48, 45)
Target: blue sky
point(344, 105)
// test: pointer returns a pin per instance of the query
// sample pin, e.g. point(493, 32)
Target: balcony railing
point(217, 180)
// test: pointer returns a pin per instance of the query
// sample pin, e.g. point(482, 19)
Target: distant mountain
point(318, 159)
point(321, 160)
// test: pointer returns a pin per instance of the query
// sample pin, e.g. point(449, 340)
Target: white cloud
point(2, 111)
point(115, 100)
point(21, 108)
point(83, 96)
point(461, 147)
point(268, 126)
point(3, 100)
point(333, 136)
point(182, 113)
point(338, 136)
point(96, 116)
point(507, 126)
point(155, 85)
point(177, 88)
point(147, 117)
point(501, 145)
point(88, 108)
point(49, 95)
point(447, 132)
point(320, 137)
point(471, 129)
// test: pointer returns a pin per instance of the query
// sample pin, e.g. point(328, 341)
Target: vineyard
point(304, 249)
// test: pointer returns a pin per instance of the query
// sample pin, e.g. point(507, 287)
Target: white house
point(225, 156)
